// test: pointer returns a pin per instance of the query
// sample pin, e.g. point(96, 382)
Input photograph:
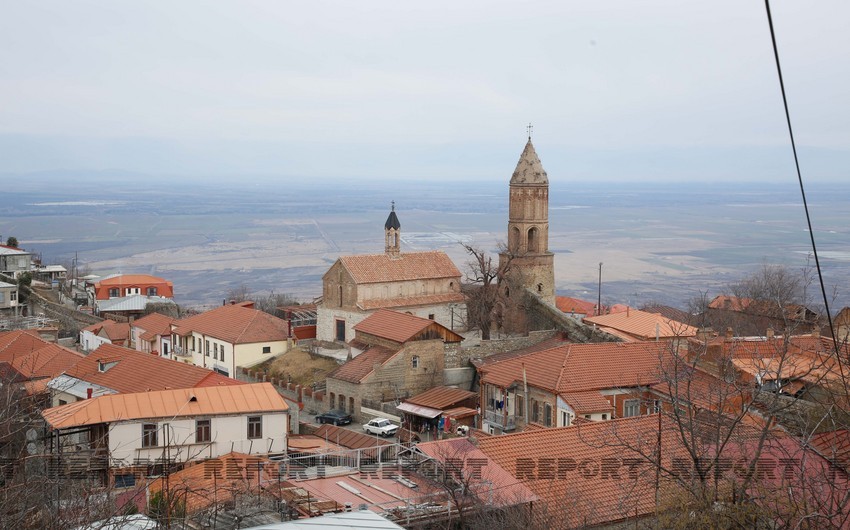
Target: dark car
point(337, 417)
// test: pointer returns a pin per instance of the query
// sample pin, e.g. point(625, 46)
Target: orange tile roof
point(153, 325)
point(310, 443)
point(643, 325)
point(209, 401)
point(235, 324)
point(33, 357)
point(587, 402)
point(392, 325)
point(441, 397)
point(135, 371)
point(579, 499)
point(410, 301)
point(131, 279)
point(117, 332)
point(730, 303)
point(379, 268)
point(215, 481)
point(355, 370)
point(581, 367)
point(491, 482)
point(574, 305)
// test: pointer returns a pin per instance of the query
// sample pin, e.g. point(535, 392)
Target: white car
point(381, 426)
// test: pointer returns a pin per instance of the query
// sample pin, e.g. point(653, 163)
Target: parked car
point(381, 426)
point(337, 417)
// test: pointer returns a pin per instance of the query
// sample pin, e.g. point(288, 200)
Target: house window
point(267, 349)
point(215, 350)
point(430, 316)
point(631, 408)
point(202, 431)
point(149, 435)
point(193, 343)
point(535, 411)
point(255, 427)
point(351, 405)
point(13, 296)
point(125, 481)
point(587, 416)
point(656, 406)
point(151, 291)
point(113, 293)
point(604, 416)
point(520, 406)
point(62, 402)
point(2, 296)
point(548, 416)
point(414, 363)
point(565, 418)
point(207, 350)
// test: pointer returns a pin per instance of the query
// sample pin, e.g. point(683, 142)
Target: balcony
point(180, 352)
point(498, 418)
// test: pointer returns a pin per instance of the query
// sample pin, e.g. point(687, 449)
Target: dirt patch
point(302, 367)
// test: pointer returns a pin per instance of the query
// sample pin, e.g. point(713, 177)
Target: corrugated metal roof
point(206, 401)
point(418, 410)
point(440, 397)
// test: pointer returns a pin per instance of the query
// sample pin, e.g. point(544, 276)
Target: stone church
point(424, 284)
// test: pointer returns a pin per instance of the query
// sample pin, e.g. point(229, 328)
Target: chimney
point(769, 333)
point(89, 392)
point(627, 311)
point(816, 332)
point(233, 302)
point(729, 333)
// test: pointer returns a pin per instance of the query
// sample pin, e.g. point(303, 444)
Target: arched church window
point(514, 240)
point(532, 239)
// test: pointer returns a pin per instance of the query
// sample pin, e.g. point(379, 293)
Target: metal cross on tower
point(529, 128)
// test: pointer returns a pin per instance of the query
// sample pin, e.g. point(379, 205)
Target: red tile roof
point(643, 325)
point(209, 401)
point(33, 357)
point(379, 268)
point(581, 367)
point(488, 480)
point(395, 326)
point(122, 281)
point(135, 371)
point(834, 446)
point(587, 402)
point(574, 305)
point(235, 324)
point(154, 325)
point(355, 370)
point(117, 332)
point(441, 397)
point(572, 498)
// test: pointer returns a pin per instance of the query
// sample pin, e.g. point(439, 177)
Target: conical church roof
point(529, 170)
point(392, 220)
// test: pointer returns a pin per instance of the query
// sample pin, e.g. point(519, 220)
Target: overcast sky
point(629, 90)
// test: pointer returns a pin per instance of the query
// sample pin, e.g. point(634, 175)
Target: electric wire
point(800, 176)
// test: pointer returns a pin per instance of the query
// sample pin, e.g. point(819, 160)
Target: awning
point(418, 410)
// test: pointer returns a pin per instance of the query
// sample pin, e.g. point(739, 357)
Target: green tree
point(12, 241)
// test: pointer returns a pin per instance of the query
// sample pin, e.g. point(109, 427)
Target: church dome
point(529, 170)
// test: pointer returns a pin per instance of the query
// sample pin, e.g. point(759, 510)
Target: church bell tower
point(532, 266)
point(392, 234)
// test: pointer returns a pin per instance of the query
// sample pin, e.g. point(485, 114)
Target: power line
point(799, 175)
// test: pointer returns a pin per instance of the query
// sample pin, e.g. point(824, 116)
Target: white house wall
point(452, 317)
point(228, 433)
point(91, 342)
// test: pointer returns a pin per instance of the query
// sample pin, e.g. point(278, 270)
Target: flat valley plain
point(665, 243)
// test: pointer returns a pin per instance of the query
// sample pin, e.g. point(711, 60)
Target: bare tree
point(488, 288)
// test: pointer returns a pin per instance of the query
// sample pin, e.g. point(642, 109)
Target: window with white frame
point(255, 427)
point(414, 362)
point(631, 407)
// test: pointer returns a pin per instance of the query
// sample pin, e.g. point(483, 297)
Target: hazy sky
point(628, 90)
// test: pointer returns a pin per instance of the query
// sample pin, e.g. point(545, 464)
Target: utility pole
point(599, 292)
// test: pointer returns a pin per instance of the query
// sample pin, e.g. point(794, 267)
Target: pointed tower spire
point(529, 170)
point(392, 234)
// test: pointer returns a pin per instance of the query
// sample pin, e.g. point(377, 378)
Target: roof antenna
point(529, 128)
